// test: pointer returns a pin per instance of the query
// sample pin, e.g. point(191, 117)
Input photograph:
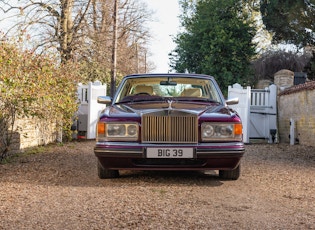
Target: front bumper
point(220, 156)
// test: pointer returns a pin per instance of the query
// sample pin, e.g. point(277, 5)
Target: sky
point(163, 28)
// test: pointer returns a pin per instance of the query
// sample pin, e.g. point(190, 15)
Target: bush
point(34, 86)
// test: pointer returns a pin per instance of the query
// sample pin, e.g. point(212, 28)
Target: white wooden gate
point(263, 114)
point(258, 110)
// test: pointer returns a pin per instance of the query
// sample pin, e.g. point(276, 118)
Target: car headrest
point(144, 89)
point(191, 92)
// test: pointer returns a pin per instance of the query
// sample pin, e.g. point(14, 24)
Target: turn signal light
point(238, 129)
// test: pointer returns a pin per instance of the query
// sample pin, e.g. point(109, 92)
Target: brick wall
point(298, 103)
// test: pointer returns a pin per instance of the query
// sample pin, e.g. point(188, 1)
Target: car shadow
point(199, 178)
point(76, 165)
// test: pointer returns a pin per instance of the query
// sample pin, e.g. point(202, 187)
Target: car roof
point(169, 75)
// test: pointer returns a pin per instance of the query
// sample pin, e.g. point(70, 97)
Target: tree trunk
point(66, 30)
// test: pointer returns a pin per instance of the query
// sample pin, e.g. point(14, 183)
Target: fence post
point(243, 107)
point(95, 89)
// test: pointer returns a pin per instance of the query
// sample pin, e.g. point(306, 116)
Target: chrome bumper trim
point(214, 150)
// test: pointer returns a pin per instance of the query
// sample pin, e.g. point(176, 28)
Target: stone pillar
point(284, 79)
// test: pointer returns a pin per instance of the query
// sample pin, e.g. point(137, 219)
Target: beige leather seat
point(191, 92)
point(144, 89)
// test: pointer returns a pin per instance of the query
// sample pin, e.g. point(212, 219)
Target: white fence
point(258, 111)
point(242, 107)
point(89, 109)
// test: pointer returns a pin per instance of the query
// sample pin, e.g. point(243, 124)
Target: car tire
point(104, 173)
point(233, 174)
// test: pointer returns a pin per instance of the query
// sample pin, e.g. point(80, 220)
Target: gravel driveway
point(59, 189)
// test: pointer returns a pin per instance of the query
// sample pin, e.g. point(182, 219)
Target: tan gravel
point(59, 189)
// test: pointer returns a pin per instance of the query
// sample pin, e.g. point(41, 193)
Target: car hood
point(138, 109)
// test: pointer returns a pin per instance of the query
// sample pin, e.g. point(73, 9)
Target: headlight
point(221, 131)
point(117, 131)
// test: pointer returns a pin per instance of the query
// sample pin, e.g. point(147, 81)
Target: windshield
point(179, 88)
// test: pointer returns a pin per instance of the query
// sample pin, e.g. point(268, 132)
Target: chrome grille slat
point(169, 128)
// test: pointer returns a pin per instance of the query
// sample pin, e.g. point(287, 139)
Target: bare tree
point(52, 24)
point(132, 35)
point(132, 39)
point(135, 35)
point(83, 30)
point(271, 62)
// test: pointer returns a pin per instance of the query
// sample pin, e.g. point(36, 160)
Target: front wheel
point(233, 174)
point(104, 173)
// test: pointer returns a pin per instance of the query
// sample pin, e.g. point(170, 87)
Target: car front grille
point(170, 128)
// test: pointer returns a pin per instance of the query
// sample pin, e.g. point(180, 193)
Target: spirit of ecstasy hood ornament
point(169, 104)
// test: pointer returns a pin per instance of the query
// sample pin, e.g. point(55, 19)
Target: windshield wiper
point(146, 98)
point(197, 99)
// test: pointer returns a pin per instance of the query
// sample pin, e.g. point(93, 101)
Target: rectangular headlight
point(117, 131)
point(221, 131)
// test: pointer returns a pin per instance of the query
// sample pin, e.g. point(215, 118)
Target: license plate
point(170, 153)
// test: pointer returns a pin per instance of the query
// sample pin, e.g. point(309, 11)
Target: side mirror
point(232, 101)
point(104, 100)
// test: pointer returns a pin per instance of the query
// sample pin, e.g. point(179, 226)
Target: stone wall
point(298, 103)
point(31, 132)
